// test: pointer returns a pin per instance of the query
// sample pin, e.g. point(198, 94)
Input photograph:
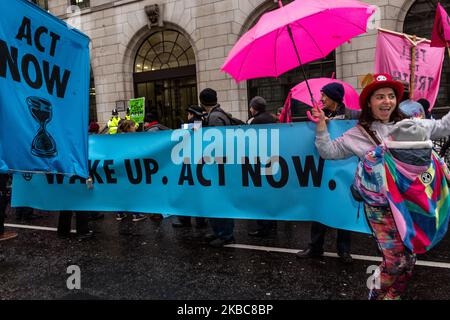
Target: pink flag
point(441, 29)
point(393, 56)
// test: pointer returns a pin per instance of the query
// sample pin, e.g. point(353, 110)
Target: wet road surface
point(155, 261)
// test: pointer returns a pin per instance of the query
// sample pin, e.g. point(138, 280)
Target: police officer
point(128, 117)
point(113, 123)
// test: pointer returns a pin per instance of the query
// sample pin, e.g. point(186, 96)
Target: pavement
point(153, 261)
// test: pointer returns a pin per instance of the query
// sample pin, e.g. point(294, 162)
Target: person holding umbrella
point(379, 102)
point(332, 96)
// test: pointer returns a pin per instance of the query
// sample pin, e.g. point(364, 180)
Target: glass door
point(168, 99)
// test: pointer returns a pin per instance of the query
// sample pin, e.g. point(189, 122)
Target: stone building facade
point(119, 29)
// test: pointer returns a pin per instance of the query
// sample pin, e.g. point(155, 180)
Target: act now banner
point(44, 92)
point(213, 172)
point(393, 56)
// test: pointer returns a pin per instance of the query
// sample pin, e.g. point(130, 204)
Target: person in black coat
point(334, 108)
point(259, 115)
point(4, 235)
point(223, 228)
point(195, 114)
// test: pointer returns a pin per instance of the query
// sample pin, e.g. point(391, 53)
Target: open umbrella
point(295, 34)
point(301, 93)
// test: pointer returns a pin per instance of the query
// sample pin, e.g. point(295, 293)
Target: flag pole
point(413, 68)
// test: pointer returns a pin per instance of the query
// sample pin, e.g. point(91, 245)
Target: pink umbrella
point(298, 33)
point(301, 93)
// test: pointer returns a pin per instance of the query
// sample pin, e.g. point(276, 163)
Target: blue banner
point(163, 172)
point(44, 92)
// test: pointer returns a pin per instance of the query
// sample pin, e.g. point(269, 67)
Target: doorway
point(165, 74)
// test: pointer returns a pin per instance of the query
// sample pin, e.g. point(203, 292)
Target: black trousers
point(3, 204)
point(24, 212)
point(318, 232)
point(187, 220)
point(266, 225)
point(65, 222)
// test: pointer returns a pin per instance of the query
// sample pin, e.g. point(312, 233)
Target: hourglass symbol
point(43, 145)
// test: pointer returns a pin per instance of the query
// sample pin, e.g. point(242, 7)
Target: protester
point(408, 107)
point(194, 114)
point(151, 123)
point(26, 214)
point(379, 103)
point(113, 123)
point(222, 228)
point(426, 107)
point(127, 126)
point(128, 117)
point(94, 128)
point(332, 97)
point(259, 115)
point(4, 234)
point(82, 225)
point(412, 109)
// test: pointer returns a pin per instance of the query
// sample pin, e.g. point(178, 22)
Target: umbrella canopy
point(298, 33)
point(300, 92)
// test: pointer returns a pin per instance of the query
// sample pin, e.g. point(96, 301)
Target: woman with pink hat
point(379, 102)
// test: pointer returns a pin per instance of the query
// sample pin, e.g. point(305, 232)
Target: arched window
point(164, 50)
point(80, 3)
point(165, 74)
point(419, 21)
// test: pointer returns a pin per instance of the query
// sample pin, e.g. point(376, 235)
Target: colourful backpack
point(417, 195)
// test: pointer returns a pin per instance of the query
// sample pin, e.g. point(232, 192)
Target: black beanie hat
point(208, 97)
point(196, 110)
point(335, 91)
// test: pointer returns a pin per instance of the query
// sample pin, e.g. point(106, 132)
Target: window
point(41, 3)
point(80, 3)
point(164, 50)
point(275, 90)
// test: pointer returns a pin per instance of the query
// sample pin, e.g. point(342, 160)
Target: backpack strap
point(369, 135)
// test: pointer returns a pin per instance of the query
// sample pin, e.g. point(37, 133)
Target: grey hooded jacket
point(354, 143)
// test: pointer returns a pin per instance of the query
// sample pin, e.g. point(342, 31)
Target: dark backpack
point(233, 121)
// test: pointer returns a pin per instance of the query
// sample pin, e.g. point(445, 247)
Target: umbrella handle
point(309, 115)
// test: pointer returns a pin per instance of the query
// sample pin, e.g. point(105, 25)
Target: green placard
point(137, 109)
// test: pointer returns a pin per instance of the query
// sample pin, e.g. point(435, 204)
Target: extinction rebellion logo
point(426, 178)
